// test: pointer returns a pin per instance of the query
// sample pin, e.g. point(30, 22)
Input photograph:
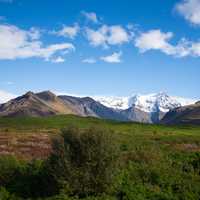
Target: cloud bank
point(18, 43)
point(158, 40)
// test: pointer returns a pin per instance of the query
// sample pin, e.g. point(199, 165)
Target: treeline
point(91, 164)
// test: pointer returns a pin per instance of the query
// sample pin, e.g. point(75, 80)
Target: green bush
point(25, 179)
point(5, 195)
point(8, 167)
point(84, 162)
point(29, 181)
point(158, 180)
point(65, 197)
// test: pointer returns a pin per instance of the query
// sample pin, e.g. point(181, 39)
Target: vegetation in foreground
point(122, 161)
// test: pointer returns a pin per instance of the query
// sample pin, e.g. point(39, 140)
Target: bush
point(84, 161)
point(25, 179)
point(5, 195)
point(29, 181)
point(64, 197)
point(8, 167)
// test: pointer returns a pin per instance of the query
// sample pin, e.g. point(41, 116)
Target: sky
point(100, 47)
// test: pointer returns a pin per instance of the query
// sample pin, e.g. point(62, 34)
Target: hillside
point(183, 115)
point(46, 104)
point(30, 104)
point(87, 106)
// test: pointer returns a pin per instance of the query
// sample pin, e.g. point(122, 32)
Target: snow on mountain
point(5, 96)
point(147, 103)
point(154, 102)
point(121, 103)
point(185, 101)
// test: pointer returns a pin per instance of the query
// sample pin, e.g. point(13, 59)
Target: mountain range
point(149, 108)
point(152, 108)
point(183, 115)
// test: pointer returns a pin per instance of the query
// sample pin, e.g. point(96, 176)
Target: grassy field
point(185, 138)
point(24, 124)
point(156, 161)
point(126, 131)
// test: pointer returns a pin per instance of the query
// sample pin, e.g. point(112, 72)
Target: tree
point(83, 162)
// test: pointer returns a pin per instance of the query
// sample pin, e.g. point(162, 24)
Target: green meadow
point(154, 162)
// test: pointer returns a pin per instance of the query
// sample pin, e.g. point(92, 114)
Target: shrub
point(8, 167)
point(28, 181)
point(84, 162)
point(5, 195)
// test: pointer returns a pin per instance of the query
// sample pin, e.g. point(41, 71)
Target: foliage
point(5, 195)
point(85, 162)
point(154, 162)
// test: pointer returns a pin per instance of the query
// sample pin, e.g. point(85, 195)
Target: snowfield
point(147, 103)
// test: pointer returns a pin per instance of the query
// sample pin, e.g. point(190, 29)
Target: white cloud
point(107, 35)
point(157, 40)
point(190, 10)
point(68, 31)
point(17, 43)
point(58, 60)
point(195, 49)
point(91, 16)
point(97, 37)
point(34, 33)
point(49, 51)
point(6, 96)
point(117, 35)
point(89, 60)
point(114, 58)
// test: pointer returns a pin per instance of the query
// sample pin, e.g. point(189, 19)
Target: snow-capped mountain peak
point(147, 103)
point(120, 103)
point(154, 102)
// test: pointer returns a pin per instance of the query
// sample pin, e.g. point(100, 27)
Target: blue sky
point(100, 47)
